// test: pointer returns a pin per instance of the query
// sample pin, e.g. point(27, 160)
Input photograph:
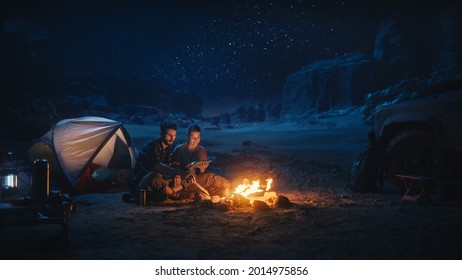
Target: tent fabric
point(74, 145)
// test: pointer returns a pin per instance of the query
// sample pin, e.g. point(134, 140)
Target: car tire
point(416, 152)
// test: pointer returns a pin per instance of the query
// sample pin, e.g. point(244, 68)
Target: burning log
point(261, 198)
point(254, 193)
point(269, 197)
point(239, 200)
point(215, 198)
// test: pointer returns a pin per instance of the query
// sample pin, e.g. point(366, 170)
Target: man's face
point(169, 137)
point(194, 138)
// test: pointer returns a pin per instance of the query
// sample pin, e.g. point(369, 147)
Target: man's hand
point(189, 176)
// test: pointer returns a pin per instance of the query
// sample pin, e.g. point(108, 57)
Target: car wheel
point(416, 152)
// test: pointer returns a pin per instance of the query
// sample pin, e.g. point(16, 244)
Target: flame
point(246, 189)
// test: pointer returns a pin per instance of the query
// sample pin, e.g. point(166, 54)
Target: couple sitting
point(164, 169)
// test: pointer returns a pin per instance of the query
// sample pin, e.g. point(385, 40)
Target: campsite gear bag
point(365, 171)
point(40, 180)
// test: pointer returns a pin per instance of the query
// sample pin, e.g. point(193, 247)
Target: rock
point(400, 209)
point(272, 111)
point(405, 40)
point(248, 113)
point(247, 143)
point(312, 90)
point(240, 201)
point(408, 44)
point(283, 202)
point(260, 205)
point(206, 204)
point(223, 207)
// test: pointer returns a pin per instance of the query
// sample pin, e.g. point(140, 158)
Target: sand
point(309, 166)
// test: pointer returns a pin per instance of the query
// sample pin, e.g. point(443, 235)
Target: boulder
point(283, 202)
point(260, 205)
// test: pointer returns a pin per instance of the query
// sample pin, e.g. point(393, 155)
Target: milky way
point(249, 49)
point(226, 50)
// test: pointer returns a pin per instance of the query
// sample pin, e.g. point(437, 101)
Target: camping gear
point(143, 197)
point(54, 209)
point(40, 180)
point(8, 170)
point(9, 179)
point(79, 149)
point(367, 169)
point(9, 183)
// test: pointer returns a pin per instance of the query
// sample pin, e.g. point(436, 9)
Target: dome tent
point(85, 154)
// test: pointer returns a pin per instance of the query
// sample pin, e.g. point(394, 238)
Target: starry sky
point(225, 51)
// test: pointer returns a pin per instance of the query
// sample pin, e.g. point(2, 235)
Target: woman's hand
point(203, 166)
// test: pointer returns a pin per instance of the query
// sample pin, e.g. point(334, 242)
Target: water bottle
point(142, 197)
point(40, 180)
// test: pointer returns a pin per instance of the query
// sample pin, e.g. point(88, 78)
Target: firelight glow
point(245, 189)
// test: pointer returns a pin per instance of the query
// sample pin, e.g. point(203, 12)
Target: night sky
point(225, 51)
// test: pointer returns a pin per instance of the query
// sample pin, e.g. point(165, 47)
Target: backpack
point(366, 170)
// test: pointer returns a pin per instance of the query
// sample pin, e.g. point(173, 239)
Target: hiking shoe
point(174, 196)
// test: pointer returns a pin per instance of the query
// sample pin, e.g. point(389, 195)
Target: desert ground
point(309, 165)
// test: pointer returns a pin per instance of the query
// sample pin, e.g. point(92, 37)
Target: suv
point(422, 136)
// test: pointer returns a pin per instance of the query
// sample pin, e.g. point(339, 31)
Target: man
point(190, 152)
point(155, 170)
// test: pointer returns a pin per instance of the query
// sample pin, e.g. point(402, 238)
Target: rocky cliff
point(407, 47)
point(332, 84)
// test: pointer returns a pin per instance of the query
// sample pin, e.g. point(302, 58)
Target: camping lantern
point(40, 180)
point(9, 179)
point(8, 174)
point(8, 183)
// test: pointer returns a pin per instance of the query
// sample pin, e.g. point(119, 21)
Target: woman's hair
point(193, 127)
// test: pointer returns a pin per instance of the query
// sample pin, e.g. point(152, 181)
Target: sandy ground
point(309, 166)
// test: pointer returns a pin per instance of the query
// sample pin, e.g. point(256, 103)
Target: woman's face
point(194, 138)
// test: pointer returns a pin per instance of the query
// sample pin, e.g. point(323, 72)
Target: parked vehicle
point(422, 136)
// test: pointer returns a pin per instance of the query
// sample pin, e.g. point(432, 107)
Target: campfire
point(247, 194)
point(247, 189)
point(260, 196)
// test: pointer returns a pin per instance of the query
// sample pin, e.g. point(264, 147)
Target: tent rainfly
point(83, 150)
